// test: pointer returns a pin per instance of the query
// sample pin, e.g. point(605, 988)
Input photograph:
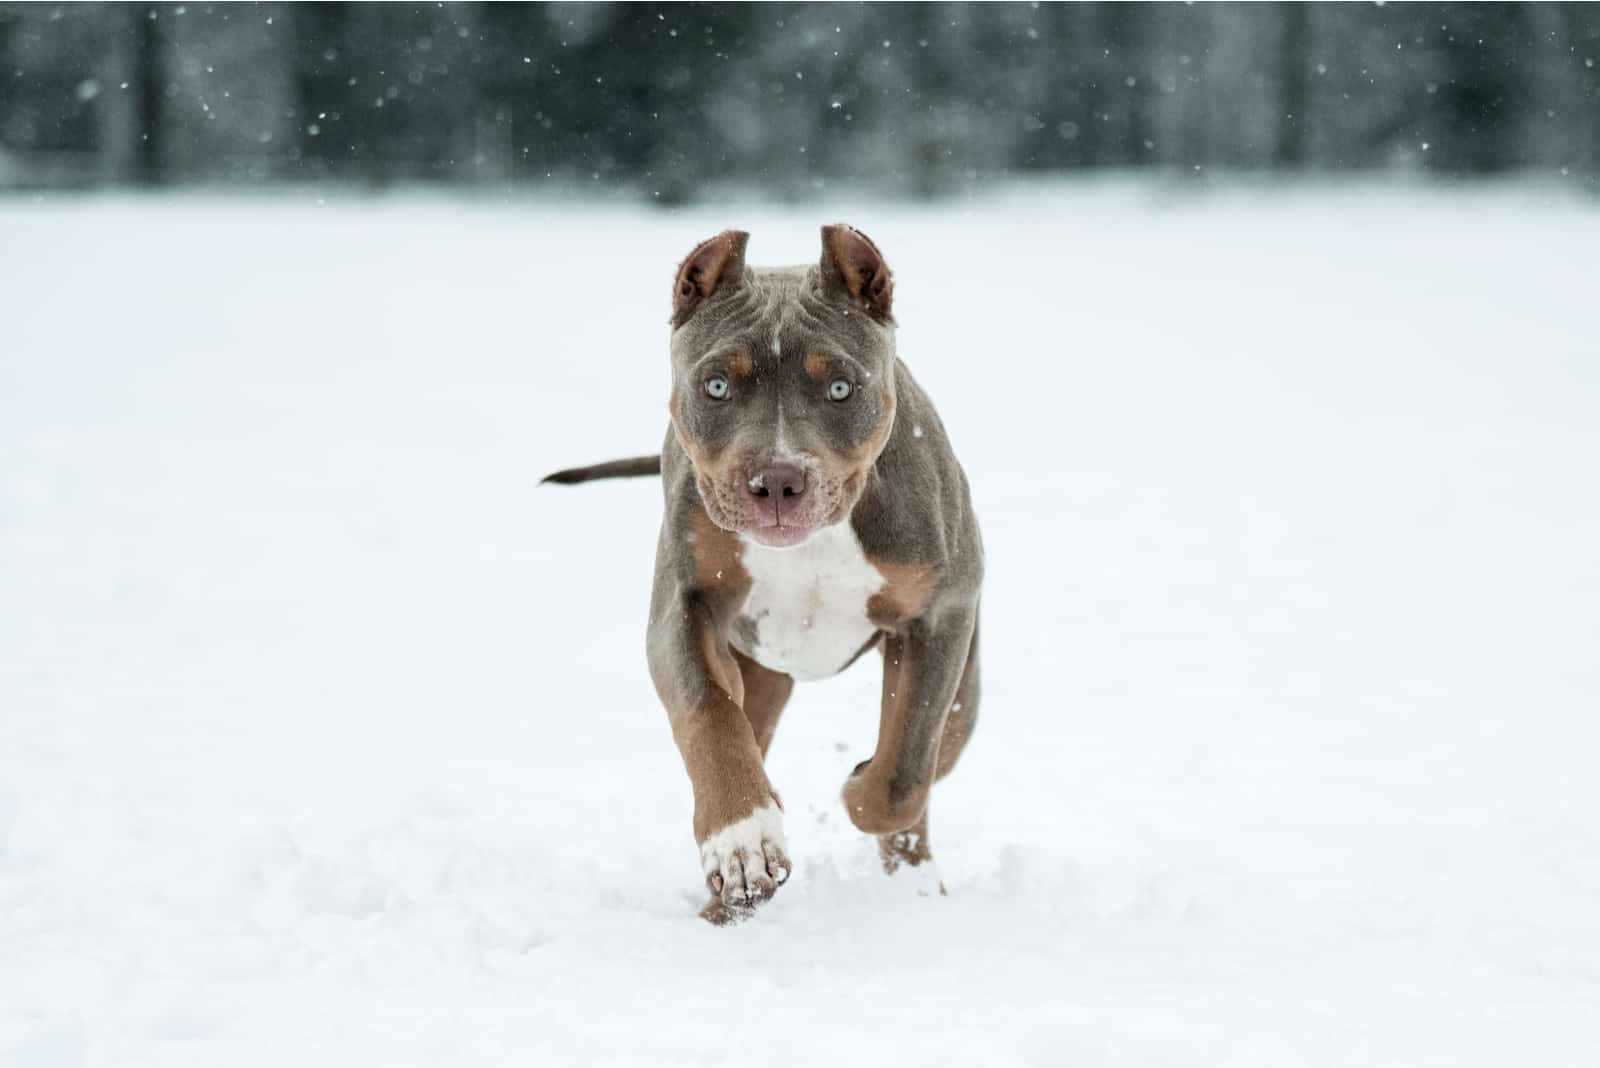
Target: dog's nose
point(778, 480)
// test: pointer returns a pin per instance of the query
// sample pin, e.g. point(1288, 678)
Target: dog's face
point(782, 382)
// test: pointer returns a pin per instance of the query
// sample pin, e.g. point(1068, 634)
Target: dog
point(813, 510)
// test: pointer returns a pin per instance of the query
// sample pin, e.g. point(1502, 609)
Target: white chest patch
point(806, 614)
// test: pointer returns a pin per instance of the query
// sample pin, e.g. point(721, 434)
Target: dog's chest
point(806, 613)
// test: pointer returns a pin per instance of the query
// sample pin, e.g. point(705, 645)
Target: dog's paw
point(745, 862)
point(908, 863)
point(877, 806)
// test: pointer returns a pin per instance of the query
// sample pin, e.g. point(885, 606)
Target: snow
point(326, 736)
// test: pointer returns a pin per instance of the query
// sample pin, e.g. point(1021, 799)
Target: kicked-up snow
point(326, 736)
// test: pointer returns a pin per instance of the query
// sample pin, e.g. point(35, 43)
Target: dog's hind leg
point(910, 846)
point(963, 713)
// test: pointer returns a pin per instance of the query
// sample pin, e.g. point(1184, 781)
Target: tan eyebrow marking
point(740, 365)
point(818, 364)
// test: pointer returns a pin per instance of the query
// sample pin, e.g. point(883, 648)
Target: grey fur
point(915, 507)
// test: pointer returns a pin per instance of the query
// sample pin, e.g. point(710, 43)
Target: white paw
point(745, 862)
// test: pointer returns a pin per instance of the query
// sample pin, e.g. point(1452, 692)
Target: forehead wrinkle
point(779, 303)
point(801, 312)
point(853, 333)
point(736, 327)
point(761, 315)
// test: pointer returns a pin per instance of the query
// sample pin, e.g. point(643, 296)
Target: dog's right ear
point(719, 261)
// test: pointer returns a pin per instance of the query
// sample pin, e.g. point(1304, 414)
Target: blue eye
point(838, 390)
point(717, 387)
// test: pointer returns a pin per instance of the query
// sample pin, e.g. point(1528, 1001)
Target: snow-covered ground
point(326, 736)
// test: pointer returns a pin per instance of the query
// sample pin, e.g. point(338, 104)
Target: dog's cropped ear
point(852, 263)
point(719, 261)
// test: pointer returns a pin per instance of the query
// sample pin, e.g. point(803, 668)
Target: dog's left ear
point(851, 262)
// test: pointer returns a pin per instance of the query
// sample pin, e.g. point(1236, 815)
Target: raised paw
point(880, 806)
point(745, 863)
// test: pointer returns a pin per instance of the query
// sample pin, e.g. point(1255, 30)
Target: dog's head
point(782, 382)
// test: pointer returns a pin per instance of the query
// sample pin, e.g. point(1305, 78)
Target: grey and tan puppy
point(814, 509)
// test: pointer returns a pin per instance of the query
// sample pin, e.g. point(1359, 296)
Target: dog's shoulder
point(916, 522)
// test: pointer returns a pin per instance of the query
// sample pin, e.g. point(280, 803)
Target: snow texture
point(326, 736)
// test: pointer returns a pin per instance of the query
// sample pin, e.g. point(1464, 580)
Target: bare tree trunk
point(1294, 56)
point(149, 85)
point(116, 119)
point(1581, 34)
point(9, 91)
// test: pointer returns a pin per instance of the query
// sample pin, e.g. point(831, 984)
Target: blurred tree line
point(671, 100)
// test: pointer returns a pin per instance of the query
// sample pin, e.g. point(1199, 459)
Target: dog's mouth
point(778, 535)
point(774, 520)
point(772, 526)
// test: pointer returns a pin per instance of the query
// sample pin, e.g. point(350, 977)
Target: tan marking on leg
point(718, 556)
point(721, 577)
point(720, 753)
point(874, 810)
point(922, 674)
point(719, 748)
point(906, 589)
point(733, 801)
point(766, 692)
point(721, 666)
point(911, 847)
point(958, 726)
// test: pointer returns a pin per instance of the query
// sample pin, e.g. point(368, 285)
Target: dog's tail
point(634, 467)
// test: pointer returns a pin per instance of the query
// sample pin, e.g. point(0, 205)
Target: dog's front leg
point(922, 666)
point(737, 821)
